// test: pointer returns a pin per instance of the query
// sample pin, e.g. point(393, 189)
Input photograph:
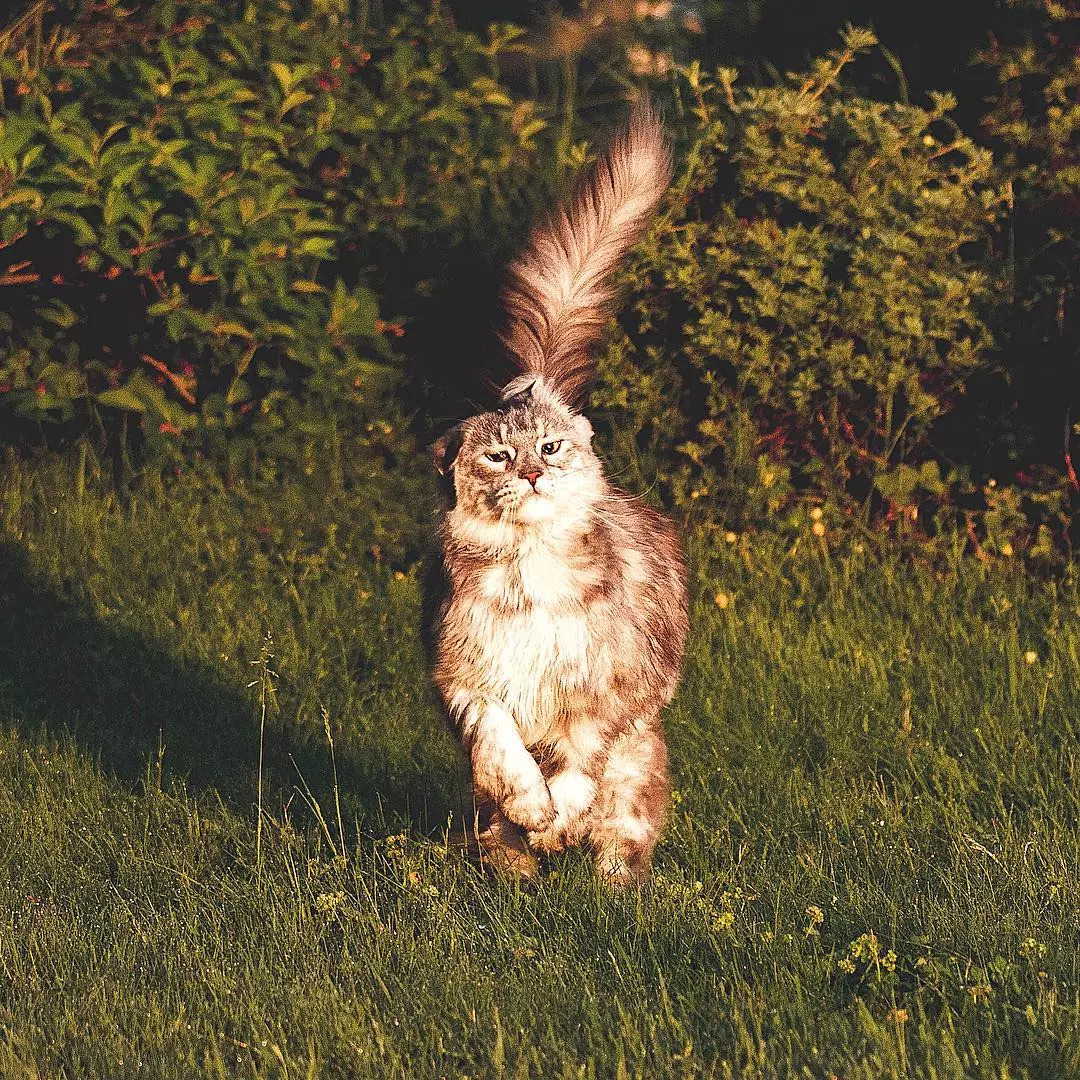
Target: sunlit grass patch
point(869, 868)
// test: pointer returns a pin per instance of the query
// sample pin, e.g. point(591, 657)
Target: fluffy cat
point(561, 633)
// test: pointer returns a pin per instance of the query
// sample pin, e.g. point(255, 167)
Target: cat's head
point(528, 463)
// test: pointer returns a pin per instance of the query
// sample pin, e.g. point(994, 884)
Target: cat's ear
point(518, 391)
point(444, 450)
point(583, 430)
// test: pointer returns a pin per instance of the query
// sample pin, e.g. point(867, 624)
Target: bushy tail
point(559, 289)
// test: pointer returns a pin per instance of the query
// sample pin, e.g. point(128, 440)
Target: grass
point(870, 869)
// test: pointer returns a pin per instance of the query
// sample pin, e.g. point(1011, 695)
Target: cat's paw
point(562, 833)
point(531, 808)
point(573, 795)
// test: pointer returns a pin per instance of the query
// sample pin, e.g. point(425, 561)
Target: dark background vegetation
point(242, 231)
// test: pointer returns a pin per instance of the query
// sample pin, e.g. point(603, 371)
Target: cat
point(561, 633)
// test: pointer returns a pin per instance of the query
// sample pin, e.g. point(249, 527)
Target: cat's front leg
point(503, 768)
point(581, 755)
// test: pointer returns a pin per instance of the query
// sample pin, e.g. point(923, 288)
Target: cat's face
point(530, 463)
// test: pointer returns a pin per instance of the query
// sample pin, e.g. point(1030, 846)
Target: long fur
point(559, 291)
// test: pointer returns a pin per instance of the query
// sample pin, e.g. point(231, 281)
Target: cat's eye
point(498, 455)
point(550, 448)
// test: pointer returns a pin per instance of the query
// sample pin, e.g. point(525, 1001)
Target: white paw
point(551, 839)
point(573, 794)
point(532, 808)
point(563, 832)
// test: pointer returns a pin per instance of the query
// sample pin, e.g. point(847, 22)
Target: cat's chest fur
point(533, 576)
point(533, 635)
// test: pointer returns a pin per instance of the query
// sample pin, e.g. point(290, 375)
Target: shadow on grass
point(65, 673)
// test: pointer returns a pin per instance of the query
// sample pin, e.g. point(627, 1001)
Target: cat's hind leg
point(501, 844)
point(630, 804)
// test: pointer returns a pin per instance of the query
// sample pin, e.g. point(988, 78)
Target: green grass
point(870, 870)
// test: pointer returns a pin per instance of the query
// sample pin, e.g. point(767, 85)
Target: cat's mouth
point(523, 504)
point(518, 498)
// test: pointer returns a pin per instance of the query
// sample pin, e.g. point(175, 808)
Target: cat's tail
point(559, 289)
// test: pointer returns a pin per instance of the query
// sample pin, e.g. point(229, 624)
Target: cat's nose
point(532, 477)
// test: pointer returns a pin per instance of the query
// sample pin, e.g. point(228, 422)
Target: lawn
point(870, 867)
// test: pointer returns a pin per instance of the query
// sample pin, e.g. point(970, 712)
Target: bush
point(225, 229)
point(812, 303)
point(189, 204)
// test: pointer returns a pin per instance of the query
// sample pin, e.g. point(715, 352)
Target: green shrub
point(192, 203)
point(812, 302)
point(222, 226)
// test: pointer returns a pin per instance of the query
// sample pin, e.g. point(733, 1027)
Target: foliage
point(226, 226)
point(869, 869)
point(190, 212)
point(811, 304)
